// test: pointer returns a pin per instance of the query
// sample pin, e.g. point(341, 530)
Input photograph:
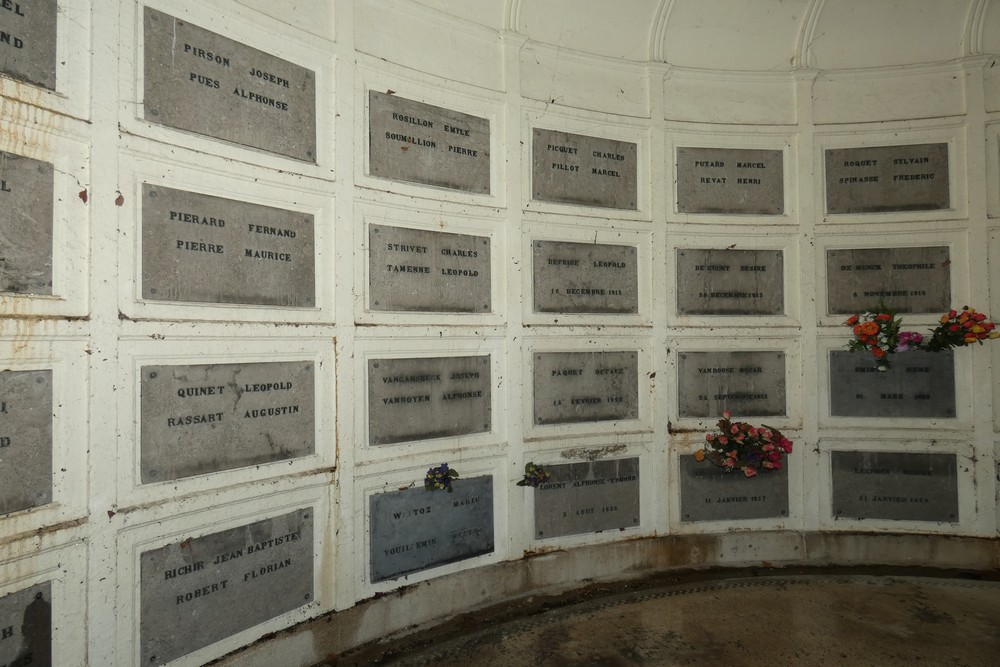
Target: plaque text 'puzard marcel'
point(734, 181)
point(879, 179)
point(709, 493)
point(746, 383)
point(577, 169)
point(900, 486)
point(588, 497)
point(26, 190)
point(25, 439)
point(730, 282)
point(907, 280)
point(572, 387)
point(585, 278)
point(28, 43)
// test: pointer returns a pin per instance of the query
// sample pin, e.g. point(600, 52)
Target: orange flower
point(699, 455)
point(878, 352)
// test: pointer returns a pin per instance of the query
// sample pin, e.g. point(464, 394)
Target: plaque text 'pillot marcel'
point(26, 216)
point(584, 278)
point(28, 41)
point(25, 439)
point(709, 493)
point(578, 169)
point(730, 181)
point(907, 280)
point(588, 497)
point(887, 178)
point(746, 383)
point(572, 387)
point(900, 486)
point(730, 282)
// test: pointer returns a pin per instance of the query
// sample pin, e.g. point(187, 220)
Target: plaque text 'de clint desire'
point(907, 280)
point(28, 41)
point(887, 178)
point(208, 249)
point(730, 282)
point(734, 181)
point(572, 387)
point(26, 627)
point(900, 486)
point(208, 418)
point(25, 439)
point(709, 493)
point(420, 143)
point(424, 398)
point(202, 82)
point(585, 278)
point(425, 271)
point(745, 383)
point(577, 169)
point(416, 529)
point(26, 190)
point(588, 497)
point(918, 384)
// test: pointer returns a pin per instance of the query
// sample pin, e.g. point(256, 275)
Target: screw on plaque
point(152, 193)
point(152, 375)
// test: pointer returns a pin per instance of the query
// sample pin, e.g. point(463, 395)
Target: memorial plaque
point(203, 419)
point(428, 397)
point(198, 591)
point(202, 82)
point(577, 169)
point(421, 143)
point(709, 493)
point(585, 278)
point(208, 249)
point(737, 181)
point(730, 282)
point(26, 195)
point(919, 384)
point(416, 529)
point(25, 440)
point(905, 486)
point(887, 178)
point(415, 270)
point(588, 497)
point(571, 387)
point(907, 280)
point(28, 41)
point(745, 383)
point(26, 627)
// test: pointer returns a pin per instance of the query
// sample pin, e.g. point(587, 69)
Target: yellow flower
point(944, 319)
point(978, 329)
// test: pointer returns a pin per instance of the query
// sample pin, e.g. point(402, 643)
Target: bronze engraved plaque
point(424, 271)
point(25, 439)
point(421, 143)
point(28, 32)
point(745, 383)
point(585, 278)
point(709, 493)
point(26, 626)
point(740, 181)
point(887, 178)
point(578, 169)
point(900, 486)
point(907, 280)
point(26, 200)
point(588, 497)
point(730, 282)
point(919, 384)
point(571, 387)
point(202, 82)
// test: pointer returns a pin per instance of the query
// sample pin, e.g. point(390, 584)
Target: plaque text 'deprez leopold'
point(25, 439)
point(918, 384)
point(588, 497)
point(907, 280)
point(26, 216)
point(578, 169)
point(709, 493)
point(28, 42)
point(746, 383)
point(584, 278)
point(26, 626)
point(900, 486)
point(572, 387)
point(736, 181)
point(887, 178)
point(730, 282)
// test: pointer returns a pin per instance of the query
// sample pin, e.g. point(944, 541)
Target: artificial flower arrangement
point(534, 475)
point(439, 477)
point(740, 445)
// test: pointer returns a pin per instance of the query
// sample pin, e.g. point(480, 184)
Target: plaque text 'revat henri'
point(198, 591)
point(424, 271)
point(900, 486)
point(28, 41)
point(907, 280)
point(203, 419)
point(919, 384)
point(420, 143)
point(585, 278)
point(202, 82)
point(424, 398)
point(415, 529)
point(26, 201)
point(746, 383)
point(577, 169)
point(887, 178)
point(26, 627)
point(201, 248)
point(709, 493)
point(734, 181)
point(730, 282)
point(25, 439)
point(572, 387)
point(588, 497)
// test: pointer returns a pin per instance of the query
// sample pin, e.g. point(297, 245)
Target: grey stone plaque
point(577, 169)
point(428, 397)
point(588, 497)
point(907, 280)
point(416, 529)
point(421, 143)
point(197, 591)
point(738, 181)
point(901, 486)
point(28, 41)
point(730, 282)
point(919, 384)
point(26, 627)
point(208, 249)
point(887, 178)
point(585, 278)
point(26, 189)
point(572, 387)
point(25, 439)
point(208, 418)
point(202, 82)
point(416, 270)
point(746, 383)
point(709, 493)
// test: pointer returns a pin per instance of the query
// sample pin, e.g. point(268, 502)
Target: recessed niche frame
point(994, 312)
point(992, 178)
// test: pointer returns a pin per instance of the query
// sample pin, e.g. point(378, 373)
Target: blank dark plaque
point(203, 419)
point(201, 248)
point(746, 383)
point(588, 497)
point(424, 271)
point(730, 181)
point(28, 44)
point(887, 178)
point(202, 82)
point(919, 384)
point(578, 169)
point(907, 280)
point(198, 591)
point(572, 387)
point(26, 626)
point(416, 529)
point(424, 398)
point(709, 493)
point(25, 439)
point(26, 189)
point(901, 486)
point(584, 278)
point(730, 282)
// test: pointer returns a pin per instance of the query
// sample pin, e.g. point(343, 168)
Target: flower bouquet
point(440, 478)
point(744, 446)
point(876, 331)
point(959, 328)
point(534, 475)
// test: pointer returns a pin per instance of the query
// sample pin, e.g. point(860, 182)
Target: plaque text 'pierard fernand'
point(577, 169)
point(588, 497)
point(420, 143)
point(202, 82)
point(887, 178)
point(26, 201)
point(425, 271)
point(709, 493)
point(25, 439)
point(197, 591)
point(907, 280)
point(919, 384)
point(730, 282)
point(746, 383)
point(28, 41)
point(572, 387)
point(26, 627)
point(201, 248)
point(735, 181)
point(900, 486)
point(585, 278)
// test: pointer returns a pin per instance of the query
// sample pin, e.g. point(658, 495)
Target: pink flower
point(731, 454)
point(740, 438)
point(723, 440)
point(727, 414)
point(749, 471)
point(710, 437)
point(768, 447)
point(753, 431)
point(730, 463)
point(768, 464)
point(774, 456)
